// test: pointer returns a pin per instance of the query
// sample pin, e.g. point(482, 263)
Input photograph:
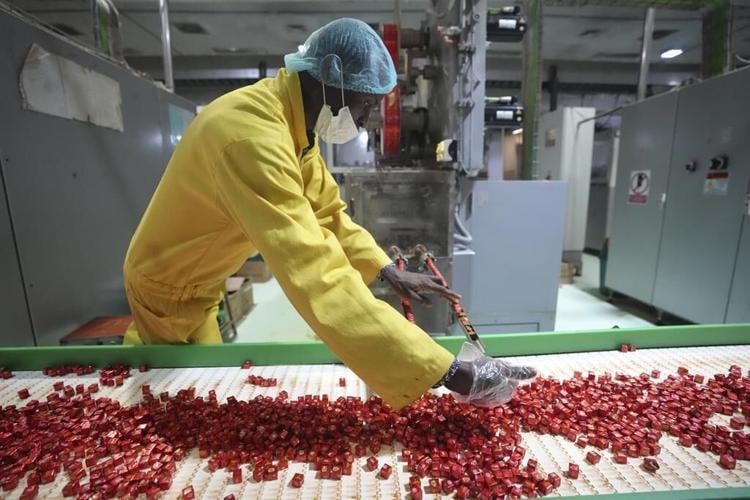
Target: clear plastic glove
point(484, 381)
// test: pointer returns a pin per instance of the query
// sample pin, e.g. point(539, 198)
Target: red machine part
point(458, 310)
point(392, 102)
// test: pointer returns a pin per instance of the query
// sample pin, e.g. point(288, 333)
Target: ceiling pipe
point(106, 19)
point(166, 44)
point(648, 34)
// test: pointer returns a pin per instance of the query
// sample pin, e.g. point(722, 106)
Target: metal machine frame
point(316, 352)
point(72, 193)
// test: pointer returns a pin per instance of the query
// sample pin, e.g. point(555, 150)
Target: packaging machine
point(423, 177)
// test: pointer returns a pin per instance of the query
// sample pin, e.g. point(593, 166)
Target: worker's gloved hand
point(415, 286)
point(484, 381)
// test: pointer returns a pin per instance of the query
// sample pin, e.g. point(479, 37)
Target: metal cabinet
point(704, 211)
point(565, 151)
point(75, 191)
point(739, 298)
point(16, 329)
point(514, 272)
point(683, 244)
point(645, 148)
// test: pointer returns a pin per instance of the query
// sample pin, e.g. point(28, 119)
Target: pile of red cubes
point(104, 448)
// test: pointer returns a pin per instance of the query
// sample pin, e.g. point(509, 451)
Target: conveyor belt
point(681, 468)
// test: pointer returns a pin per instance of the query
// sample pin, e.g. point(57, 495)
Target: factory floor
point(579, 307)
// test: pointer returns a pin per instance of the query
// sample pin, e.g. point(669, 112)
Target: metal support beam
point(166, 44)
point(531, 85)
point(101, 13)
point(494, 139)
point(717, 38)
point(648, 34)
point(662, 4)
point(115, 36)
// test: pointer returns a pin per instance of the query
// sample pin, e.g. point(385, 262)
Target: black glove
point(484, 381)
point(415, 286)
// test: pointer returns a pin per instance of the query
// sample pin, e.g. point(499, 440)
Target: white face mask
point(337, 129)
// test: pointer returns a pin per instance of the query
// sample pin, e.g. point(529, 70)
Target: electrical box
point(680, 238)
point(506, 24)
point(645, 151)
point(510, 278)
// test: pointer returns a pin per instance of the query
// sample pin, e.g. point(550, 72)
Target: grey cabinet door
point(16, 328)
point(738, 310)
point(645, 153)
point(704, 212)
point(518, 231)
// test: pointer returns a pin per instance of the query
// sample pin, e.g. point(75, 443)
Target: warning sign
point(640, 184)
point(717, 182)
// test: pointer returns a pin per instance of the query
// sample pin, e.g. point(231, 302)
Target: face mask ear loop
point(322, 86)
point(342, 89)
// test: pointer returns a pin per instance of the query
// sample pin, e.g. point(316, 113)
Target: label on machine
point(508, 24)
point(503, 115)
point(717, 182)
point(640, 184)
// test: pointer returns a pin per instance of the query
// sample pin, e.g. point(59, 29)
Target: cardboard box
point(256, 271)
point(241, 301)
point(567, 273)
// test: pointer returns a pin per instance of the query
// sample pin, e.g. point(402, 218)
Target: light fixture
point(517, 131)
point(671, 53)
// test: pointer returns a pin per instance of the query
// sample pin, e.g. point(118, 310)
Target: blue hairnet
point(346, 49)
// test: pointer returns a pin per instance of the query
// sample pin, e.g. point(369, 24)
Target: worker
point(246, 177)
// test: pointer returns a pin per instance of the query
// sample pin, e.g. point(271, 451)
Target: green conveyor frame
point(315, 352)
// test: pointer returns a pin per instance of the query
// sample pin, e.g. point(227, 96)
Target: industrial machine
point(681, 225)
point(423, 177)
point(566, 142)
point(81, 152)
point(601, 192)
point(405, 207)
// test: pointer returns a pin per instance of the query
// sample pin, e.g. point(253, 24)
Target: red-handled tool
point(401, 262)
point(461, 316)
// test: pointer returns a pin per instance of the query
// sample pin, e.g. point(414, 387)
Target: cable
point(463, 233)
point(462, 239)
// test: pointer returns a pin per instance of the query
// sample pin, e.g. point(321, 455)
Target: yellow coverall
point(238, 183)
